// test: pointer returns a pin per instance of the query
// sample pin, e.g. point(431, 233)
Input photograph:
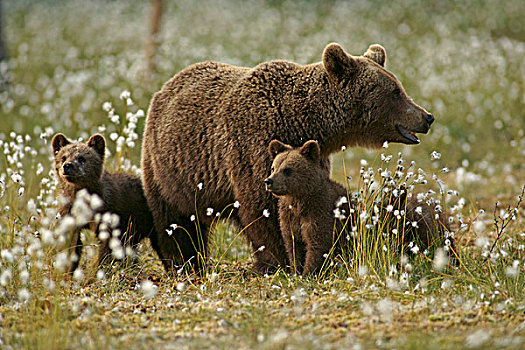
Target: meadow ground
point(77, 67)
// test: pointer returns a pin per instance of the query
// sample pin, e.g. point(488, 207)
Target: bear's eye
point(272, 170)
point(287, 171)
point(81, 159)
point(63, 159)
point(397, 94)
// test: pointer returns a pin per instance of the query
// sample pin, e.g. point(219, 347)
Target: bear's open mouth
point(410, 136)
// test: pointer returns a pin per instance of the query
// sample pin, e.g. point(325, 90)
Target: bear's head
point(79, 163)
point(296, 172)
point(363, 84)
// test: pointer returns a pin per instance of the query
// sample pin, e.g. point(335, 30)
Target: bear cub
point(79, 166)
point(313, 208)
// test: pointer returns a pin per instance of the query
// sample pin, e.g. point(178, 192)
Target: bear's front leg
point(293, 240)
point(74, 250)
point(319, 241)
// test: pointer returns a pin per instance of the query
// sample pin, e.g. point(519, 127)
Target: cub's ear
point(310, 150)
point(59, 141)
point(98, 143)
point(337, 63)
point(376, 53)
point(275, 147)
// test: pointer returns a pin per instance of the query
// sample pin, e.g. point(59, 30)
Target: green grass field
point(69, 64)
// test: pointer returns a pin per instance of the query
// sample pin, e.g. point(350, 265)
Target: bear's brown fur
point(314, 210)
point(211, 123)
point(80, 166)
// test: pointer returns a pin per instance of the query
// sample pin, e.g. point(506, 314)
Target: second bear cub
point(313, 208)
point(80, 165)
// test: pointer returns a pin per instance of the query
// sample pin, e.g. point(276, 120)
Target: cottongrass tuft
point(148, 288)
point(440, 259)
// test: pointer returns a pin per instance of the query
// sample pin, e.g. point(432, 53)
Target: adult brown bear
point(212, 122)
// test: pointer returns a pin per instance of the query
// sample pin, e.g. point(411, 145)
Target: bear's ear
point(337, 63)
point(376, 53)
point(98, 143)
point(310, 150)
point(59, 141)
point(275, 147)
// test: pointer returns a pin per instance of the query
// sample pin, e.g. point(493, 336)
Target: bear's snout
point(430, 119)
point(268, 182)
point(68, 168)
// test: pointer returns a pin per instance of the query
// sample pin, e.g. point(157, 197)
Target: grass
point(463, 61)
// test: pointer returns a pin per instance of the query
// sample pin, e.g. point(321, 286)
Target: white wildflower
point(266, 213)
point(435, 155)
point(125, 95)
point(106, 106)
point(78, 275)
point(148, 288)
point(440, 259)
point(101, 275)
point(181, 286)
point(342, 200)
point(23, 295)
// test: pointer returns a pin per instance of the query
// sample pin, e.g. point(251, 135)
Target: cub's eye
point(287, 171)
point(63, 159)
point(81, 159)
point(272, 170)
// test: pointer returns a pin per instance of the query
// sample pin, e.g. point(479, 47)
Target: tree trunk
point(152, 41)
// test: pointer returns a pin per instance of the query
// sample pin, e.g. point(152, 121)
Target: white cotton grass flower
point(124, 95)
point(192, 218)
point(209, 212)
point(78, 275)
point(513, 270)
point(339, 214)
point(261, 248)
point(107, 106)
point(478, 338)
point(96, 202)
point(385, 144)
point(237, 204)
point(24, 276)
point(440, 259)
point(199, 186)
point(23, 295)
point(435, 155)
point(101, 275)
point(181, 286)
point(362, 271)
point(266, 213)
point(6, 255)
point(148, 288)
point(342, 200)
point(5, 277)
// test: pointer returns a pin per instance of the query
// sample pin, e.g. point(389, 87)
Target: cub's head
point(362, 83)
point(296, 171)
point(79, 163)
